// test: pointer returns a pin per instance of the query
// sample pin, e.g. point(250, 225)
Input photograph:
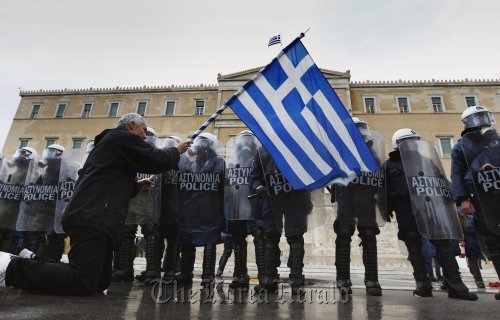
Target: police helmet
point(477, 116)
point(403, 134)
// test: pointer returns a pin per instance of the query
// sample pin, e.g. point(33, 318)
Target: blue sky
point(56, 44)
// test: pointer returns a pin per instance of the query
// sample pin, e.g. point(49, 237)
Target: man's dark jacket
point(107, 181)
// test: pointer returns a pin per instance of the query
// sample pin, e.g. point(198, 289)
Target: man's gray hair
point(129, 117)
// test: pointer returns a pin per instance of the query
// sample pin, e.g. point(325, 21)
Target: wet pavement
point(319, 301)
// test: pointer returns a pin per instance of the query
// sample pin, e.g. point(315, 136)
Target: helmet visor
point(479, 119)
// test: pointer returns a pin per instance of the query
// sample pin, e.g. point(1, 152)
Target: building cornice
point(119, 90)
point(249, 73)
point(425, 83)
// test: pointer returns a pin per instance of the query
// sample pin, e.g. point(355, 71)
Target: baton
point(250, 197)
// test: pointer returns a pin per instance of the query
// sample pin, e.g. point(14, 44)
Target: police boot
point(296, 263)
point(223, 261)
point(33, 241)
point(496, 264)
point(456, 288)
point(269, 280)
point(371, 268)
point(424, 285)
point(437, 269)
point(241, 278)
point(208, 266)
point(342, 264)
point(125, 268)
point(475, 271)
point(152, 258)
point(170, 260)
point(187, 265)
point(258, 242)
point(5, 240)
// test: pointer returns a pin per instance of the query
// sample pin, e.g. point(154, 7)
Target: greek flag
point(274, 40)
point(298, 118)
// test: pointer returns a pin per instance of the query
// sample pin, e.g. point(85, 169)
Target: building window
point(77, 143)
point(113, 109)
point(34, 111)
point(141, 108)
point(61, 107)
point(169, 108)
point(446, 145)
point(49, 141)
point(471, 101)
point(23, 142)
point(87, 109)
point(199, 108)
point(369, 104)
point(403, 104)
point(437, 104)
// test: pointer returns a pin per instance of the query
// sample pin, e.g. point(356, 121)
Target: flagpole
point(223, 107)
point(208, 122)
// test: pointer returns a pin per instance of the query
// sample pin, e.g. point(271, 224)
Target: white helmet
point(90, 146)
point(150, 131)
point(30, 152)
point(403, 134)
point(57, 147)
point(477, 116)
point(205, 140)
point(362, 126)
point(151, 136)
point(171, 141)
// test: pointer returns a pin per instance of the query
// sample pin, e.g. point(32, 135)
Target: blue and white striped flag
point(274, 40)
point(298, 118)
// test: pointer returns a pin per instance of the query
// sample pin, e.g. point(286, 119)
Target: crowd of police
point(239, 191)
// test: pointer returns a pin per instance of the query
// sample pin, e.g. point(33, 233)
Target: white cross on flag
point(297, 116)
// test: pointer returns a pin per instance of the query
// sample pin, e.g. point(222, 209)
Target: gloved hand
point(262, 191)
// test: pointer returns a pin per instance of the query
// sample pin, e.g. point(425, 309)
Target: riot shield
point(38, 204)
point(295, 211)
point(72, 162)
point(240, 153)
point(201, 187)
point(363, 201)
point(485, 172)
point(144, 207)
point(13, 174)
point(431, 199)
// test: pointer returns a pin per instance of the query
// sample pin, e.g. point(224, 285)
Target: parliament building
point(72, 117)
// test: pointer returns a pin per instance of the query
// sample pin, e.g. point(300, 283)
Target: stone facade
point(376, 102)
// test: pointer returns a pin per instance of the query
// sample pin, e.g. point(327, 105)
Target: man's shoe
point(26, 254)
point(344, 285)
point(5, 259)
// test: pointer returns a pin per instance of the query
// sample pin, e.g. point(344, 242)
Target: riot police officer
point(169, 205)
point(280, 201)
point(37, 214)
point(476, 155)
point(201, 204)
point(241, 213)
point(13, 177)
point(361, 204)
point(416, 215)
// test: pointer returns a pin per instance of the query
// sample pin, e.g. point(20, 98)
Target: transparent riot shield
point(38, 204)
point(485, 171)
point(295, 211)
point(72, 162)
point(431, 199)
point(201, 187)
point(170, 192)
point(240, 152)
point(363, 201)
point(13, 174)
point(144, 207)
